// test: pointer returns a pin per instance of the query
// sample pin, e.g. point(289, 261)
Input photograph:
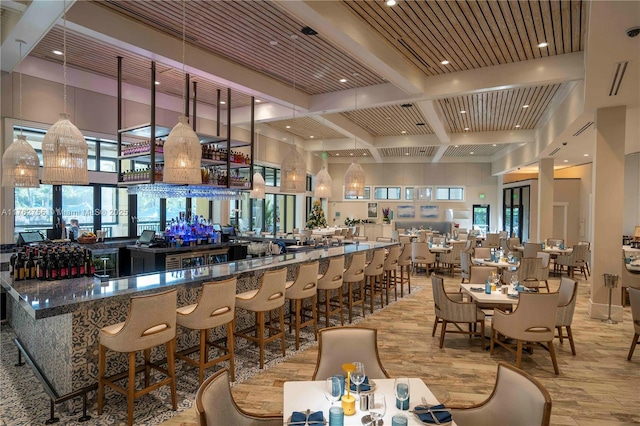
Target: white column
point(608, 206)
point(545, 199)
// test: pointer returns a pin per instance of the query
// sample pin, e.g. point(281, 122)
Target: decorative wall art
point(406, 212)
point(429, 212)
point(372, 210)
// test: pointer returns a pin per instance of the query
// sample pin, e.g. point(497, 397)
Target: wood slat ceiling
point(306, 128)
point(349, 153)
point(91, 55)
point(242, 31)
point(410, 152)
point(8, 19)
point(390, 120)
point(499, 110)
point(476, 33)
point(484, 150)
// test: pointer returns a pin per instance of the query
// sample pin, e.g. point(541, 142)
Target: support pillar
point(545, 199)
point(608, 206)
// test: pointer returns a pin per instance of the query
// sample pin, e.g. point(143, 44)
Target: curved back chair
point(555, 242)
point(331, 280)
point(450, 311)
point(482, 252)
point(566, 306)
point(404, 262)
point(422, 236)
point(151, 322)
point(372, 271)
point(531, 249)
point(404, 239)
point(627, 278)
point(341, 345)
point(305, 286)
point(478, 274)
point(492, 241)
point(588, 244)
point(512, 243)
point(463, 236)
point(267, 298)
point(528, 271)
point(215, 308)
point(420, 255)
point(544, 268)
point(533, 321)
point(528, 402)
point(354, 279)
point(465, 264)
point(390, 269)
point(215, 405)
point(452, 259)
point(634, 300)
point(577, 259)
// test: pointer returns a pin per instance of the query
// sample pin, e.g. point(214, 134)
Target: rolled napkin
point(298, 417)
point(364, 387)
point(476, 288)
point(427, 417)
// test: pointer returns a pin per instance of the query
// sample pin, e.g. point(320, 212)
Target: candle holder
point(348, 400)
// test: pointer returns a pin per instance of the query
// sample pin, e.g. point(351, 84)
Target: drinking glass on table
point(401, 389)
point(357, 376)
point(333, 389)
point(377, 407)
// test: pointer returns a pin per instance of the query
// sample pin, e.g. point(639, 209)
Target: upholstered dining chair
point(627, 278)
point(340, 345)
point(512, 243)
point(531, 249)
point(420, 255)
point(528, 271)
point(215, 405)
point(332, 279)
point(449, 311)
point(588, 244)
point(390, 278)
point(566, 306)
point(372, 272)
point(577, 259)
point(517, 399)
point(353, 278)
point(478, 274)
point(492, 241)
point(543, 272)
point(404, 240)
point(404, 263)
point(451, 260)
point(482, 252)
point(634, 300)
point(555, 242)
point(465, 264)
point(304, 287)
point(533, 321)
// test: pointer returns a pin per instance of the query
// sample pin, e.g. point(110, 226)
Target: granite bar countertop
point(201, 247)
point(42, 299)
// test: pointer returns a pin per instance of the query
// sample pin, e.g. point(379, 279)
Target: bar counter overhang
point(58, 322)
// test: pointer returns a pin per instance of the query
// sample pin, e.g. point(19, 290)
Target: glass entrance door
point(481, 217)
point(516, 211)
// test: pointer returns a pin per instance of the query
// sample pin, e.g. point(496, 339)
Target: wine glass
point(377, 408)
point(357, 376)
point(401, 389)
point(333, 389)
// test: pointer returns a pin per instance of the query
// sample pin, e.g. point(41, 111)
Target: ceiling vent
point(554, 151)
point(619, 70)
point(583, 128)
point(309, 31)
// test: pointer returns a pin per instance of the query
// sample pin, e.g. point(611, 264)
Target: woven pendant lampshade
point(293, 173)
point(323, 184)
point(20, 165)
point(64, 154)
point(258, 191)
point(354, 181)
point(182, 155)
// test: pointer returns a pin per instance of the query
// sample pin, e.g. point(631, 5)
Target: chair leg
point(408, 280)
point(546, 283)
point(482, 330)
point(560, 337)
point(633, 346)
point(552, 352)
point(519, 354)
point(230, 347)
point(493, 337)
point(260, 331)
point(402, 281)
point(341, 305)
point(350, 301)
point(283, 344)
point(298, 304)
point(102, 355)
point(442, 333)
point(132, 387)
point(435, 326)
point(570, 336)
point(362, 298)
point(147, 369)
point(171, 369)
point(203, 355)
point(327, 306)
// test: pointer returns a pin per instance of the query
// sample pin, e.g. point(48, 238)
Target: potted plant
point(385, 215)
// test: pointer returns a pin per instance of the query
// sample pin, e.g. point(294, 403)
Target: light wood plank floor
point(597, 386)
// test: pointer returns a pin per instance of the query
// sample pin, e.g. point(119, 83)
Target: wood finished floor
point(597, 386)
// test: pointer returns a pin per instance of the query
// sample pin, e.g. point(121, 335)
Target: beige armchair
point(340, 345)
point(528, 271)
point(452, 259)
point(331, 280)
point(482, 252)
point(456, 296)
point(465, 264)
point(517, 399)
point(533, 321)
point(577, 259)
point(531, 249)
point(634, 299)
point(420, 255)
point(453, 312)
point(215, 405)
point(566, 306)
point(492, 241)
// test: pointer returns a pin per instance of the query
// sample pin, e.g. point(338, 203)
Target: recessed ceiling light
point(517, 126)
point(445, 62)
point(455, 146)
point(391, 2)
point(388, 118)
point(258, 101)
point(403, 132)
point(311, 137)
point(565, 161)
point(364, 155)
point(222, 102)
point(157, 82)
point(466, 129)
point(337, 154)
point(57, 52)
point(543, 44)
point(586, 155)
point(343, 80)
point(471, 153)
point(273, 42)
point(287, 127)
point(422, 151)
point(406, 153)
point(525, 106)
point(351, 154)
point(494, 145)
point(463, 112)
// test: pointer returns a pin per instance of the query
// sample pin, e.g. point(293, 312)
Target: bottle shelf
point(144, 131)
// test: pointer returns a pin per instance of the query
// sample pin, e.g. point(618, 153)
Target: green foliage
point(352, 222)
point(316, 216)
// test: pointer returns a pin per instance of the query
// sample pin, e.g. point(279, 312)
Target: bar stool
point(372, 271)
point(404, 262)
point(215, 308)
point(269, 297)
point(305, 286)
point(390, 269)
point(151, 322)
point(332, 279)
point(353, 275)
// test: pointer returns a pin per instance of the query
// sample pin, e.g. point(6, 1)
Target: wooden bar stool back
point(151, 322)
point(215, 308)
point(372, 272)
point(354, 281)
point(305, 286)
point(404, 262)
point(390, 269)
point(269, 297)
point(332, 279)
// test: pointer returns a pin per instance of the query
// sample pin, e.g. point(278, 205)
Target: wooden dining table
point(310, 395)
point(475, 292)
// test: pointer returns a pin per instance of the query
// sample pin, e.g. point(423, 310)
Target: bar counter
point(58, 321)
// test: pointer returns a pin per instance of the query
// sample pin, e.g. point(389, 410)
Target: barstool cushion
point(215, 307)
point(269, 296)
point(306, 282)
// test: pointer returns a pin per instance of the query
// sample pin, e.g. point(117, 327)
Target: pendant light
point(182, 150)
point(64, 149)
point(20, 163)
point(323, 179)
point(293, 171)
point(354, 176)
point(258, 191)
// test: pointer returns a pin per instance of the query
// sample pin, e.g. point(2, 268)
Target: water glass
point(333, 389)
point(336, 416)
point(401, 387)
point(357, 376)
point(377, 407)
point(399, 420)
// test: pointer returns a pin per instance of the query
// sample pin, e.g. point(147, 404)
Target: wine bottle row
point(144, 147)
point(51, 262)
point(211, 152)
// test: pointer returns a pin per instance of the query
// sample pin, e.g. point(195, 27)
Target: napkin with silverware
point(298, 417)
point(364, 387)
point(427, 413)
point(476, 288)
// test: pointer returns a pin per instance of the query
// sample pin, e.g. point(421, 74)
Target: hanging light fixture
point(258, 191)
point(323, 179)
point(354, 177)
point(182, 150)
point(293, 171)
point(64, 149)
point(20, 163)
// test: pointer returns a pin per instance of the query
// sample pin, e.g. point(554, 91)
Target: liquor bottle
point(12, 262)
point(30, 268)
point(41, 267)
point(18, 273)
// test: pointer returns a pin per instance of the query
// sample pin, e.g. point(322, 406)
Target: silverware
point(433, 416)
point(429, 410)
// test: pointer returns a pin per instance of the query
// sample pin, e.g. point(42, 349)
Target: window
point(450, 193)
point(114, 211)
point(387, 193)
point(367, 195)
point(77, 203)
point(418, 193)
point(33, 209)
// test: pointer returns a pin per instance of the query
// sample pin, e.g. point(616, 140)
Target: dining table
point(499, 264)
point(325, 232)
point(476, 293)
point(310, 395)
point(440, 249)
point(554, 250)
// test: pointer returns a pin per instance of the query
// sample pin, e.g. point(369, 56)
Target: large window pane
point(175, 206)
point(77, 203)
point(456, 194)
point(257, 215)
point(114, 211)
point(33, 209)
point(148, 215)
